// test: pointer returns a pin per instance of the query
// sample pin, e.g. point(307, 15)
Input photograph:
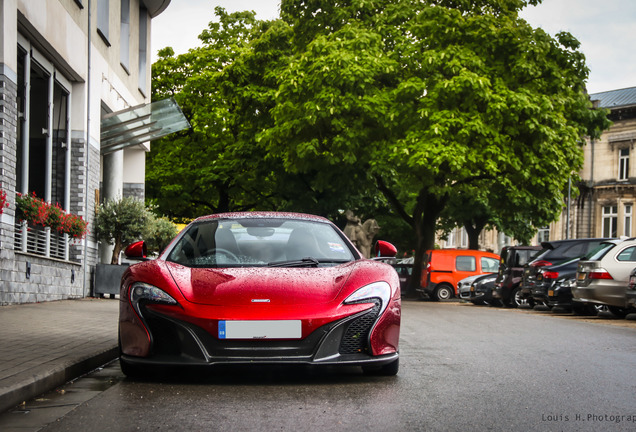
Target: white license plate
point(260, 329)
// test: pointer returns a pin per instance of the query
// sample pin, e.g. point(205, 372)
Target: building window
point(543, 234)
point(102, 20)
point(143, 49)
point(124, 45)
point(610, 219)
point(43, 145)
point(623, 164)
point(627, 227)
point(464, 238)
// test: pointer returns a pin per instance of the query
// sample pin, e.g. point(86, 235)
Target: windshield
point(260, 242)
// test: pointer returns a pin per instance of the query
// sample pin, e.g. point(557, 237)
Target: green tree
point(217, 165)
point(227, 89)
point(426, 98)
point(120, 222)
point(158, 232)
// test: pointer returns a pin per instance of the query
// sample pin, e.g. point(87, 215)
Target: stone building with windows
point(64, 66)
point(605, 205)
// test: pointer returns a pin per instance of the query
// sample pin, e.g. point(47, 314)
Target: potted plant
point(118, 222)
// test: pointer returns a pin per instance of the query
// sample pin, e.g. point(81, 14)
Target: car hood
point(245, 286)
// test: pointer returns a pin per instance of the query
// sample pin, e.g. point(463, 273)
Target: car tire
point(443, 292)
point(515, 297)
point(583, 309)
point(130, 370)
point(390, 369)
point(617, 311)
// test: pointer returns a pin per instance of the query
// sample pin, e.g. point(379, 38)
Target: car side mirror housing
point(136, 251)
point(384, 249)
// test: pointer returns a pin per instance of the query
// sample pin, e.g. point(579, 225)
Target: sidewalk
point(44, 345)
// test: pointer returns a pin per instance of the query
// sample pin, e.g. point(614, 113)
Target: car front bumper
point(177, 342)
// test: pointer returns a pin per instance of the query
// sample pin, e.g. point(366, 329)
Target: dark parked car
point(507, 284)
point(481, 290)
point(554, 252)
point(404, 269)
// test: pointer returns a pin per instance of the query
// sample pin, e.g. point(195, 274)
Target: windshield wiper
point(303, 262)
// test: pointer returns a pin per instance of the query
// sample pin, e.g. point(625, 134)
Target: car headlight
point(140, 291)
point(366, 294)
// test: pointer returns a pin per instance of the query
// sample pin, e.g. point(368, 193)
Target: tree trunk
point(473, 236)
point(425, 215)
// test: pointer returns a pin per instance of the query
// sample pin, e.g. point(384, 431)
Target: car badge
point(260, 300)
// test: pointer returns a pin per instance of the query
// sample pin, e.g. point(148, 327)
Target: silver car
point(603, 279)
point(463, 286)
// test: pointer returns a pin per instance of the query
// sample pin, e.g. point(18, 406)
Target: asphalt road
point(463, 367)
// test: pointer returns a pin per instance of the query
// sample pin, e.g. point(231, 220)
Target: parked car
point(404, 269)
point(604, 281)
point(481, 290)
point(463, 287)
point(445, 267)
point(553, 252)
point(261, 288)
point(507, 284)
point(553, 285)
point(630, 294)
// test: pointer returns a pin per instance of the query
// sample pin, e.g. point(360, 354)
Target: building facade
point(65, 64)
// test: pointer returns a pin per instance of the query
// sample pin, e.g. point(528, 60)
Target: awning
point(137, 125)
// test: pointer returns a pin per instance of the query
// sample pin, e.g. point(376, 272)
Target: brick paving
point(44, 345)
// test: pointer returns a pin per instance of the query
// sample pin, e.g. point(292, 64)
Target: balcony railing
point(41, 241)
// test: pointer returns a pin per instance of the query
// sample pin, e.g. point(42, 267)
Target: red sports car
point(261, 288)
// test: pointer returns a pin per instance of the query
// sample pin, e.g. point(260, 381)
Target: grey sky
point(606, 30)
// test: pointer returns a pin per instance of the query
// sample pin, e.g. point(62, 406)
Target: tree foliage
point(435, 111)
point(120, 222)
point(433, 98)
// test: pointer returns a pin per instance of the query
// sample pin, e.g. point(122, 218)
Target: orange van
point(443, 268)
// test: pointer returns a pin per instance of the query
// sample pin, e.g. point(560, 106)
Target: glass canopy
point(140, 124)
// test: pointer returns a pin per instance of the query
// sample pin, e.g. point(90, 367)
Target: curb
point(55, 377)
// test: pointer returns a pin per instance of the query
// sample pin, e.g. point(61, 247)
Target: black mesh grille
point(356, 338)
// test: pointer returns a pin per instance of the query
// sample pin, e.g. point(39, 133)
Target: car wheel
point(583, 309)
point(443, 292)
point(515, 298)
point(618, 312)
point(389, 369)
point(131, 371)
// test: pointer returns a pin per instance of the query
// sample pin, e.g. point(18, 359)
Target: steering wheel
point(220, 252)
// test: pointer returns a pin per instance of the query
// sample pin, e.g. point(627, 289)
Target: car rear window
point(465, 263)
point(598, 252)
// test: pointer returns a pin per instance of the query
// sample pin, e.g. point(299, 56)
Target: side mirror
point(385, 249)
point(137, 251)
